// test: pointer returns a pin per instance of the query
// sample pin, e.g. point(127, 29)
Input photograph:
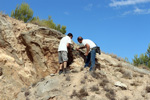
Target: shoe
point(92, 69)
point(64, 71)
point(60, 71)
point(85, 66)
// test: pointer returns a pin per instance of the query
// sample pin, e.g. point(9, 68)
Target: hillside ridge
point(29, 65)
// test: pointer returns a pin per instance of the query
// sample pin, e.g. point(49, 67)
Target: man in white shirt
point(63, 52)
point(90, 51)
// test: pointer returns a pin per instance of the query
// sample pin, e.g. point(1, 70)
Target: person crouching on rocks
point(90, 52)
point(65, 43)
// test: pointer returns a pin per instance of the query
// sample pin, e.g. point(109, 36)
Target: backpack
point(98, 50)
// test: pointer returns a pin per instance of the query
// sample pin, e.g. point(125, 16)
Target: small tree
point(22, 12)
point(143, 59)
point(136, 60)
point(148, 51)
point(63, 29)
point(148, 64)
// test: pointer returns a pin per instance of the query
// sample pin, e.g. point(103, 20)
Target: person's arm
point(68, 45)
point(80, 47)
point(88, 49)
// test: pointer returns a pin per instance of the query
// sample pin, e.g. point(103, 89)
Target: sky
point(120, 27)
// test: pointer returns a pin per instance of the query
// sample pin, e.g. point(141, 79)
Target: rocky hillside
point(29, 64)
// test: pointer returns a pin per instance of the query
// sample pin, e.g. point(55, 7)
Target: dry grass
point(119, 65)
point(39, 23)
point(85, 77)
point(1, 13)
point(120, 59)
point(96, 75)
point(74, 93)
point(116, 57)
point(143, 67)
point(113, 55)
point(103, 83)
point(94, 88)
point(81, 94)
point(148, 89)
point(27, 93)
point(81, 69)
point(134, 84)
point(34, 84)
point(110, 94)
point(82, 81)
point(42, 79)
point(121, 70)
point(27, 98)
point(127, 74)
point(126, 98)
point(1, 71)
point(68, 78)
point(74, 71)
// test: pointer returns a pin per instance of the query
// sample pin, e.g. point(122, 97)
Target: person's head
point(80, 39)
point(70, 35)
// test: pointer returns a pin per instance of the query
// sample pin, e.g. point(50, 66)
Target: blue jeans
point(91, 56)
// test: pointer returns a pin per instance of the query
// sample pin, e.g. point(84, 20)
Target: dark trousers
point(91, 57)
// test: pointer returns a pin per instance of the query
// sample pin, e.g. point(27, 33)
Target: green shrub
point(143, 59)
point(49, 23)
point(22, 12)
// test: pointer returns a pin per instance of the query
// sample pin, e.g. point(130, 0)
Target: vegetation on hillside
point(24, 12)
point(49, 23)
point(143, 59)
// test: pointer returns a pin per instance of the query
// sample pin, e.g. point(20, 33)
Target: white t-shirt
point(89, 42)
point(63, 43)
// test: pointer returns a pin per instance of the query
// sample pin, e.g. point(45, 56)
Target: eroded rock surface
point(29, 64)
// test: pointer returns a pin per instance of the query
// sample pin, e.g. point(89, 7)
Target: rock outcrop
point(28, 53)
point(29, 64)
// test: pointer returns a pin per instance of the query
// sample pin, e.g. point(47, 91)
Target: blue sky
point(121, 27)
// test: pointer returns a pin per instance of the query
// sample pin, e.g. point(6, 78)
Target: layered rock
point(28, 53)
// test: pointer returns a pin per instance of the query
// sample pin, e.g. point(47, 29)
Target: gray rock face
point(48, 88)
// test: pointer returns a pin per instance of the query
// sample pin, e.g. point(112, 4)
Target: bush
point(22, 12)
point(119, 58)
point(110, 94)
point(143, 59)
point(104, 82)
point(148, 89)
point(49, 23)
point(68, 78)
point(83, 81)
point(1, 13)
point(81, 94)
point(94, 88)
